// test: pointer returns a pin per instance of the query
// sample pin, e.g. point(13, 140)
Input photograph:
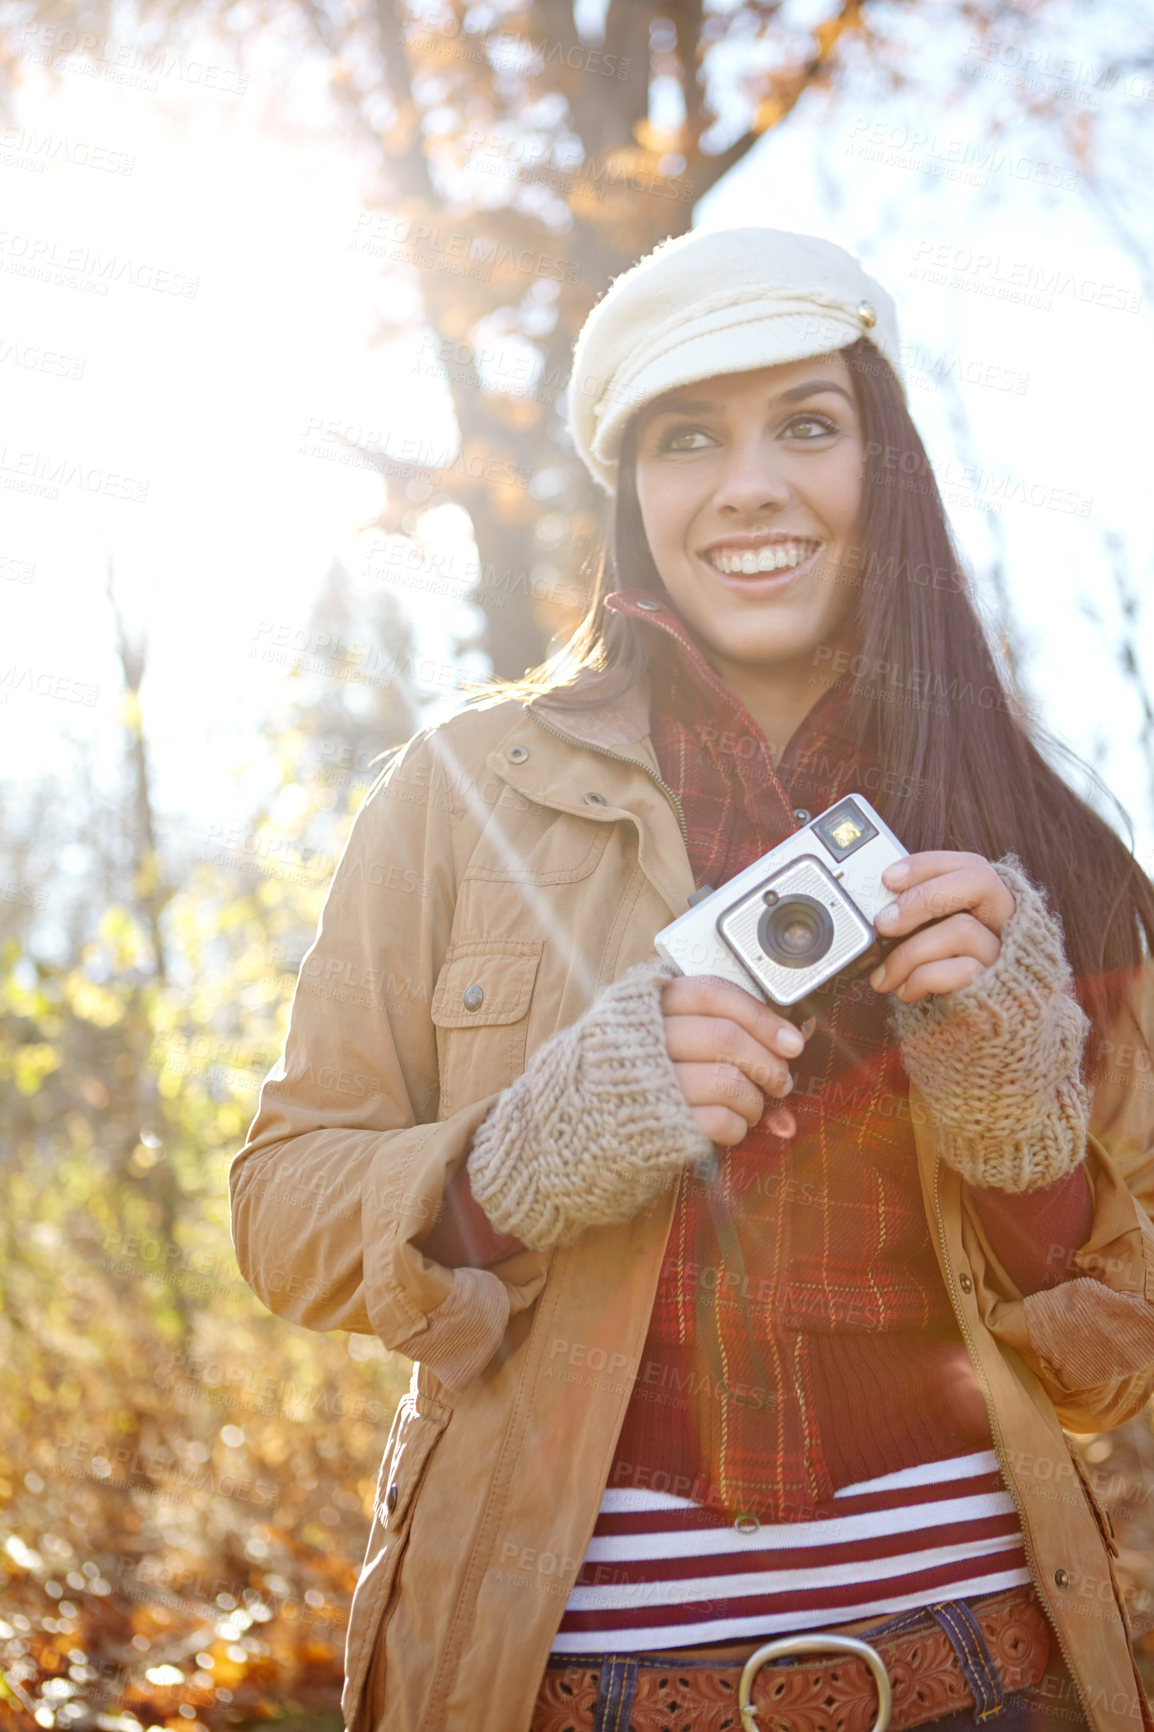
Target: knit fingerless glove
point(594, 1127)
point(999, 1061)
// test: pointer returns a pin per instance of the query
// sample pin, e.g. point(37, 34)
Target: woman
point(728, 1332)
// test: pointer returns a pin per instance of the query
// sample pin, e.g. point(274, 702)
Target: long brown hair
point(961, 759)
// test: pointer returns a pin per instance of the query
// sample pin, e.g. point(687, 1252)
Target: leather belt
point(953, 1655)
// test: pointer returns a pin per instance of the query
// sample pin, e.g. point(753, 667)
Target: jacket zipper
point(995, 1427)
point(619, 759)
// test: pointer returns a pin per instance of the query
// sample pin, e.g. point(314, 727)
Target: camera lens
point(795, 931)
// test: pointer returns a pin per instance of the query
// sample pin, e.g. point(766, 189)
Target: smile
point(778, 555)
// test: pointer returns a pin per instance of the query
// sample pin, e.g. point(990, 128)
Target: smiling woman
point(747, 1334)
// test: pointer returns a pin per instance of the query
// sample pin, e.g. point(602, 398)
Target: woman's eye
point(684, 439)
point(819, 423)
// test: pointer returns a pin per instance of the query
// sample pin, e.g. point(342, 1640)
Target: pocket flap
point(495, 977)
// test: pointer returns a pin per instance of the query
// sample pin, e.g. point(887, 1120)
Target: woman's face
point(758, 470)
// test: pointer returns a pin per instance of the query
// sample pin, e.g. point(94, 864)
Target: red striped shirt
point(663, 1572)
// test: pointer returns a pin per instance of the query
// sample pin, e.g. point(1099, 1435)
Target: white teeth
point(777, 558)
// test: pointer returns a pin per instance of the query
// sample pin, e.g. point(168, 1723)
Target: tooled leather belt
point(995, 1645)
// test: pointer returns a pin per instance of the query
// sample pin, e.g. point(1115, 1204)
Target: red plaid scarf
point(840, 1303)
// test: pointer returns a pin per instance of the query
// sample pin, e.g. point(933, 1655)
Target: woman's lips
point(762, 582)
point(754, 555)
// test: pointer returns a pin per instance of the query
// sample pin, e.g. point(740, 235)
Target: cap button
point(867, 314)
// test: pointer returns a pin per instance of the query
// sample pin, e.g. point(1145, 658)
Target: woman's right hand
point(729, 1052)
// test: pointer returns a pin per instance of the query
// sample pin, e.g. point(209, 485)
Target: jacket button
point(517, 754)
point(594, 799)
point(474, 997)
point(650, 606)
point(1062, 1577)
point(801, 815)
point(746, 1523)
point(965, 1282)
point(391, 1498)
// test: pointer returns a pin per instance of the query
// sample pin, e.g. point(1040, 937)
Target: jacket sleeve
point(346, 1165)
point(1090, 1338)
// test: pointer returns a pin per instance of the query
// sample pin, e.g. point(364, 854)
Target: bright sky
point(238, 313)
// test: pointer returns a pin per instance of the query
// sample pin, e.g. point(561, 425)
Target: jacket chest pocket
point(480, 1010)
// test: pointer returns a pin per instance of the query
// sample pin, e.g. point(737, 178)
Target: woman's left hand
point(975, 904)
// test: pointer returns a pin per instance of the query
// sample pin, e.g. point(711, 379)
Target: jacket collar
point(626, 719)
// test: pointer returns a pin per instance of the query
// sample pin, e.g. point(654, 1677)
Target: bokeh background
point(288, 290)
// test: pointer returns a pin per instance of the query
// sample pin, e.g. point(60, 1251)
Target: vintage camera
point(799, 918)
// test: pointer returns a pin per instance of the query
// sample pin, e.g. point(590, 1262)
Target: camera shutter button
point(801, 815)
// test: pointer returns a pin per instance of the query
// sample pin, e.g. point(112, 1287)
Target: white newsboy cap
point(715, 301)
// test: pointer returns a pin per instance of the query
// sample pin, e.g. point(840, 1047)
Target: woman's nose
point(750, 480)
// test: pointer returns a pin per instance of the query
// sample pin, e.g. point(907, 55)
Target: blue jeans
point(1026, 1711)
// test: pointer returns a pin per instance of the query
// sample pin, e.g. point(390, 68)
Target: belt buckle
point(816, 1644)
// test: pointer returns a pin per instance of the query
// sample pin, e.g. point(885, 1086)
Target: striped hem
point(663, 1572)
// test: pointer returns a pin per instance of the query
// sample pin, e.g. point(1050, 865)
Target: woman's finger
point(717, 1040)
point(714, 1086)
point(960, 936)
point(931, 895)
point(780, 1122)
point(949, 975)
point(721, 1125)
point(711, 995)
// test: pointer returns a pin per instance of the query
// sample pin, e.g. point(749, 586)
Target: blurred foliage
point(185, 1480)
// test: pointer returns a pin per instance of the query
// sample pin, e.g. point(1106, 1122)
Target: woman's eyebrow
point(810, 387)
point(682, 406)
point(703, 406)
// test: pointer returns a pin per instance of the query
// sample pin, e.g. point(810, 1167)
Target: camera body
point(799, 918)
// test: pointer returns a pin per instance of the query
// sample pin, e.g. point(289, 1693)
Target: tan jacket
point(535, 854)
